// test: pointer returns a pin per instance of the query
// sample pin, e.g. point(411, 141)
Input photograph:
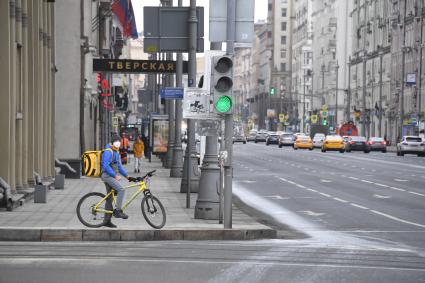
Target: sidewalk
point(57, 219)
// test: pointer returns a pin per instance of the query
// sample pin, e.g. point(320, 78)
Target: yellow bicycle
point(95, 209)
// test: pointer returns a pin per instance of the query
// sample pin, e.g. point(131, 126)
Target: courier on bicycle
point(111, 165)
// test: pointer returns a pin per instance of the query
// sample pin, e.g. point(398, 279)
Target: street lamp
point(336, 94)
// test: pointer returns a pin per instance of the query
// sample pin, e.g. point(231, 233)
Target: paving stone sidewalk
point(59, 213)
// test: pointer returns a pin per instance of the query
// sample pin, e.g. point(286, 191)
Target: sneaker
point(110, 224)
point(118, 213)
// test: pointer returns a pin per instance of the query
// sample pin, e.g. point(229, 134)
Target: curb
point(50, 235)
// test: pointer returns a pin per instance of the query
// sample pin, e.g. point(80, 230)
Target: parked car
point(412, 145)
point(333, 142)
point(251, 135)
point(318, 140)
point(377, 143)
point(239, 138)
point(357, 143)
point(303, 142)
point(286, 139)
point(261, 136)
point(272, 138)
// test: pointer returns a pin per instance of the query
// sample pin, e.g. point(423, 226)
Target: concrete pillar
point(45, 112)
point(37, 85)
point(5, 110)
point(52, 90)
point(25, 117)
point(29, 143)
point(49, 37)
point(12, 95)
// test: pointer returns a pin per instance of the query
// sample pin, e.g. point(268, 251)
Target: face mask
point(117, 144)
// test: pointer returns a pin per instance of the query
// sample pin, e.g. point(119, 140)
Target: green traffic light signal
point(324, 122)
point(223, 104)
point(272, 91)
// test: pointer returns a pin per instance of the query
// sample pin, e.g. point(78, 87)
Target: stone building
point(27, 117)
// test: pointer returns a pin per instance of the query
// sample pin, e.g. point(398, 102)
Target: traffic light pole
point(228, 170)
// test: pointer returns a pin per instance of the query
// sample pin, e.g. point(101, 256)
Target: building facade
point(302, 60)
point(27, 111)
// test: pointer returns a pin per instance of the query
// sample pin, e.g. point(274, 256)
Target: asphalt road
point(361, 218)
point(378, 197)
point(257, 261)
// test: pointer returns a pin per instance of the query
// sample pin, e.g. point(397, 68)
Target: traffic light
point(222, 83)
point(272, 91)
point(324, 121)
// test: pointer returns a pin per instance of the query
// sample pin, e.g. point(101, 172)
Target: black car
point(358, 143)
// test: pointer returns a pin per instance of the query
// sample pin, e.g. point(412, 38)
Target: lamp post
point(336, 94)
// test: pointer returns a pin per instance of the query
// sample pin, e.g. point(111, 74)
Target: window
point(283, 26)
point(283, 12)
point(283, 54)
point(283, 39)
point(282, 67)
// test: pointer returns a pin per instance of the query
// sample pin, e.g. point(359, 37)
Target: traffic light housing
point(222, 83)
point(324, 121)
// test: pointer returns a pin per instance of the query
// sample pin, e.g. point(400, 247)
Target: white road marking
point(340, 200)
point(325, 181)
point(398, 219)
point(353, 178)
point(325, 195)
point(301, 186)
point(290, 182)
point(379, 196)
point(249, 181)
point(401, 180)
point(381, 185)
point(415, 193)
point(366, 181)
point(311, 190)
point(276, 197)
point(359, 206)
point(283, 179)
point(311, 213)
point(397, 189)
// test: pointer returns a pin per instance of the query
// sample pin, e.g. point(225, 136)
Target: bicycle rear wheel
point(86, 212)
point(153, 212)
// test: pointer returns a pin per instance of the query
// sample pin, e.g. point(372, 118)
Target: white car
point(411, 144)
point(318, 140)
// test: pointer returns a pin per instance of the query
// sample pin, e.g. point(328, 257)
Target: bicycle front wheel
point(86, 212)
point(153, 212)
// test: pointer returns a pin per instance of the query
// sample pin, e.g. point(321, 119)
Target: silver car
point(318, 140)
point(260, 137)
point(411, 144)
point(286, 139)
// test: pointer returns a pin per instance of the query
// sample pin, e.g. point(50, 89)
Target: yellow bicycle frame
point(142, 187)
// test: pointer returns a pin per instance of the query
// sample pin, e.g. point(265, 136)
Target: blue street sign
point(172, 93)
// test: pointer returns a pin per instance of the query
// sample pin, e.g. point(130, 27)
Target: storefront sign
point(136, 66)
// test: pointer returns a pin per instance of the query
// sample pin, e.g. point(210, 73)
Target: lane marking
point(301, 186)
point(379, 196)
point(366, 181)
point(381, 185)
point(359, 206)
point(415, 193)
point(276, 197)
point(290, 182)
point(311, 213)
point(397, 219)
point(325, 181)
point(311, 190)
point(325, 195)
point(353, 178)
point(340, 200)
point(397, 189)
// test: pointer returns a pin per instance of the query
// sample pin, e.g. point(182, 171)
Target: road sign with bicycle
point(197, 105)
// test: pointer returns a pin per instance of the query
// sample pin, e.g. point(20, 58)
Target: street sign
point(170, 93)
point(166, 29)
point(197, 105)
point(136, 66)
point(411, 79)
point(244, 21)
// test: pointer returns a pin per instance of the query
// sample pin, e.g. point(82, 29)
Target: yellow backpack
point(91, 162)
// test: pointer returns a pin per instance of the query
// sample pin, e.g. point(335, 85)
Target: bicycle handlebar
point(139, 179)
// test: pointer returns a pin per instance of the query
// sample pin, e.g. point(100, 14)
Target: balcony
point(333, 22)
